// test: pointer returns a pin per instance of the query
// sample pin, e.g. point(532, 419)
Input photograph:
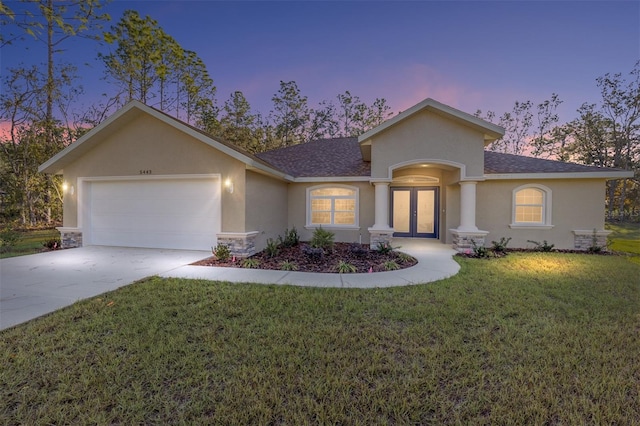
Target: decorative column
point(381, 232)
point(467, 234)
point(467, 206)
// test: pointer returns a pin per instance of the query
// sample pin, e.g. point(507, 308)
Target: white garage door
point(157, 213)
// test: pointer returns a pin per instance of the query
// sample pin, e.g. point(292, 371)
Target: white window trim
point(310, 225)
point(546, 210)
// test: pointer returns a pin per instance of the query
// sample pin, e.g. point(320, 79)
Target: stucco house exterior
point(145, 179)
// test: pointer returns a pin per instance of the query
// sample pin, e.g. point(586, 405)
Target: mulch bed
point(359, 255)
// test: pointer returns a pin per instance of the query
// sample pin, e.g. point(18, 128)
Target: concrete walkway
point(31, 286)
point(435, 262)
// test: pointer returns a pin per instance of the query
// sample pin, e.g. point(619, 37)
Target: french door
point(414, 212)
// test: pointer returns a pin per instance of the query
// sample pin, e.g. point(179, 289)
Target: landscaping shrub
point(544, 247)
point(250, 263)
point(385, 248)
point(345, 268)
point(314, 253)
point(272, 248)
point(8, 239)
point(322, 239)
point(285, 265)
point(500, 247)
point(391, 265)
point(291, 238)
point(52, 244)
point(221, 252)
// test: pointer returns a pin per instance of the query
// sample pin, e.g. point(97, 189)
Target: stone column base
point(463, 240)
point(590, 240)
point(241, 244)
point(380, 236)
point(70, 237)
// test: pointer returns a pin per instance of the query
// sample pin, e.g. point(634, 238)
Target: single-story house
point(145, 179)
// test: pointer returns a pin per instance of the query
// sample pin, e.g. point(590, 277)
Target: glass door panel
point(401, 210)
point(425, 222)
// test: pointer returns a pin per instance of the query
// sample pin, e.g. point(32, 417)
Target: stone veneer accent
point(584, 240)
point(463, 240)
point(380, 237)
point(70, 237)
point(241, 244)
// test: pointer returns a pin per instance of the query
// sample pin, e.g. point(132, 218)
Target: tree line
point(142, 62)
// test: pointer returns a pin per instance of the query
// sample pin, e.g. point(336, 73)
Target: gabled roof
point(331, 158)
point(320, 158)
point(490, 130)
point(498, 165)
point(131, 111)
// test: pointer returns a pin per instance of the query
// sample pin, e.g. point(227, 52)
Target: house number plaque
point(145, 172)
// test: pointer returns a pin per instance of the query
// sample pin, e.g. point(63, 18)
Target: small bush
point(405, 258)
point(594, 247)
point(52, 244)
point(345, 268)
point(385, 248)
point(313, 253)
point(272, 248)
point(291, 238)
point(221, 252)
point(286, 265)
point(322, 239)
point(250, 263)
point(391, 265)
point(479, 251)
point(8, 239)
point(500, 246)
point(358, 249)
point(544, 247)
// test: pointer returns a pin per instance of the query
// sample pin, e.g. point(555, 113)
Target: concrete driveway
point(31, 286)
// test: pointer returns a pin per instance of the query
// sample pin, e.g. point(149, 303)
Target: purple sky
point(470, 55)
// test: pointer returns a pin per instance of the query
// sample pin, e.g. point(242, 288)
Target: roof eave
point(617, 174)
point(56, 164)
point(491, 131)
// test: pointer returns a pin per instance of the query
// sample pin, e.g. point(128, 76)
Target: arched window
point(332, 206)
point(531, 206)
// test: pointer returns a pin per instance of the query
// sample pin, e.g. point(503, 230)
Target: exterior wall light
point(228, 184)
point(66, 188)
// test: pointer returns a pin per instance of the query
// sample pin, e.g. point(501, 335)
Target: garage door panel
point(164, 213)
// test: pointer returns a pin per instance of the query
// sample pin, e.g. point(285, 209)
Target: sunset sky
point(470, 55)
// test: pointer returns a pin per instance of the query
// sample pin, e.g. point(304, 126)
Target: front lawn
point(29, 242)
point(625, 237)
point(531, 338)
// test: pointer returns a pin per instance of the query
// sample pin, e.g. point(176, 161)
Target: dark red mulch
point(358, 255)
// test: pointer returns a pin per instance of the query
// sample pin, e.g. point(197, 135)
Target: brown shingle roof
point(320, 158)
point(499, 163)
point(342, 157)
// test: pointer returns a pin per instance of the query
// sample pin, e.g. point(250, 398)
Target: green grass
point(30, 242)
point(625, 238)
point(531, 338)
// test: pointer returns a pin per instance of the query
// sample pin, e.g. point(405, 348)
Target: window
point(332, 206)
point(531, 206)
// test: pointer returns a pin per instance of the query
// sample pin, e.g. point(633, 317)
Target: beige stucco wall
point(427, 135)
point(298, 212)
point(576, 205)
point(266, 206)
point(147, 143)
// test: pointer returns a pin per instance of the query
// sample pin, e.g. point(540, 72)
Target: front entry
point(414, 212)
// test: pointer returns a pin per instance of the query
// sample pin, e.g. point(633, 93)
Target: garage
point(156, 212)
